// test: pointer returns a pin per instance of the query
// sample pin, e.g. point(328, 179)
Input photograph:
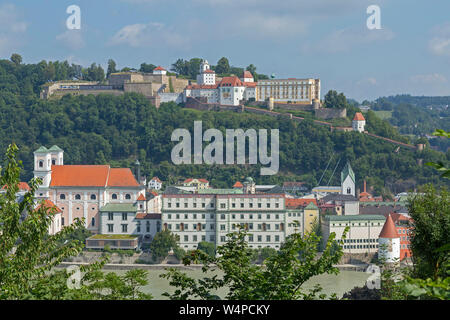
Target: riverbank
point(124, 266)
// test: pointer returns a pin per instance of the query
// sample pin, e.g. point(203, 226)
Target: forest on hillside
point(117, 130)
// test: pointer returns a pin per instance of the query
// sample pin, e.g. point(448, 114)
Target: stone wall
point(328, 113)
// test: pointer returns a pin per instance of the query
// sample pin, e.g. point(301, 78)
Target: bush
point(179, 253)
point(208, 248)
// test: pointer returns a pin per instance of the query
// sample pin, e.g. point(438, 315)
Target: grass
point(114, 236)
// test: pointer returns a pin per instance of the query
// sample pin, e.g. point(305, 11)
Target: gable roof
point(389, 230)
point(91, 176)
point(23, 186)
point(238, 184)
point(297, 203)
point(48, 204)
point(156, 179)
point(247, 74)
point(141, 197)
point(159, 68)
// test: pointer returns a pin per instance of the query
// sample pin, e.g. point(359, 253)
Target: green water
point(339, 284)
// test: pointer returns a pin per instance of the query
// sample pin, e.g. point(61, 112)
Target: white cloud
point(148, 35)
point(440, 43)
point(367, 81)
point(344, 40)
point(260, 25)
point(72, 39)
point(11, 29)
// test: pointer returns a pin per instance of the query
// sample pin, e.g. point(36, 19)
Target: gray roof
point(339, 197)
point(355, 217)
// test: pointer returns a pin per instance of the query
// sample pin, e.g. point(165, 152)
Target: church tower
point(206, 76)
point(348, 180)
point(389, 242)
point(43, 160)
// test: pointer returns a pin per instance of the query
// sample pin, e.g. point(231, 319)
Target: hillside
point(116, 130)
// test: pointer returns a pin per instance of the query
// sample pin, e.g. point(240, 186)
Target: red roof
point(202, 86)
point(91, 176)
point(159, 68)
point(141, 197)
point(156, 179)
point(154, 193)
point(231, 82)
point(247, 74)
point(389, 230)
point(23, 186)
point(148, 216)
point(297, 203)
point(208, 71)
point(201, 180)
point(237, 185)
point(250, 84)
point(49, 204)
point(359, 117)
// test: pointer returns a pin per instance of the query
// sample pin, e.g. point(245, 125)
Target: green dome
point(249, 180)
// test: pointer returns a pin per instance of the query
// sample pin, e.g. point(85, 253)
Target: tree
point(111, 67)
point(223, 66)
point(430, 232)
point(162, 243)
point(334, 100)
point(181, 67)
point(94, 73)
point(16, 58)
point(281, 277)
point(252, 69)
point(147, 68)
point(28, 254)
point(208, 248)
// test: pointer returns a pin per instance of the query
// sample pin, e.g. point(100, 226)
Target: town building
point(347, 184)
point(80, 191)
point(196, 183)
point(389, 242)
point(341, 204)
point(363, 234)
point(291, 90)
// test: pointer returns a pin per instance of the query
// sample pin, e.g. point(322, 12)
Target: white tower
point(389, 242)
point(358, 122)
point(43, 160)
point(206, 75)
point(348, 180)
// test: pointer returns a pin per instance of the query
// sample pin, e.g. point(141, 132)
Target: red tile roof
point(121, 177)
point(297, 203)
point(247, 74)
point(201, 180)
point(141, 197)
point(148, 216)
point(231, 82)
point(23, 186)
point(250, 84)
point(238, 185)
point(91, 176)
point(208, 71)
point(156, 179)
point(202, 86)
point(159, 68)
point(359, 117)
point(389, 230)
point(49, 204)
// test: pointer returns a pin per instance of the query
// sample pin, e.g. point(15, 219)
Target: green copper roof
point(311, 205)
point(118, 207)
point(55, 148)
point(41, 149)
point(220, 191)
point(347, 171)
point(355, 217)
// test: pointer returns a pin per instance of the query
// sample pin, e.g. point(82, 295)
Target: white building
point(160, 70)
point(363, 234)
point(229, 91)
point(348, 180)
point(358, 122)
point(291, 90)
point(389, 242)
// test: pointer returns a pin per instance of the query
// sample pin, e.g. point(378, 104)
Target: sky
point(325, 39)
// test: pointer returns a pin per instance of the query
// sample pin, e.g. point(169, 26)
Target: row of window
point(361, 246)
point(124, 227)
point(360, 240)
point(361, 224)
point(247, 226)
point(250, 238)
point(77, 196)
point(194, 216)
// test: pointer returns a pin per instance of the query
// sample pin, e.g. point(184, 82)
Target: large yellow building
point(301, 91)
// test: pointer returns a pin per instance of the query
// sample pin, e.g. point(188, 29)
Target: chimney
point(138, 171)
point(365, 186)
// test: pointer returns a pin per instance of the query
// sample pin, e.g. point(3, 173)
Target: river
point(339, 284)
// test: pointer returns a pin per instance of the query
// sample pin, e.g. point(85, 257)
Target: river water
point(339, 284)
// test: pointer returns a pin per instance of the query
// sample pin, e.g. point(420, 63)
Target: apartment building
point(210, 217)
point(291, 90)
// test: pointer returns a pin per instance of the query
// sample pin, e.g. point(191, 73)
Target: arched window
point(349, 190)
point(93, 197)
point(53, 161)
point(128, 196)
point(93, 222)
point(41, 164)
point(62, 196)
point(77, 196)
point(114, 196)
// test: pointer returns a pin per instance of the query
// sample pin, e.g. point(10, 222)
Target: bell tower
point(43, 160)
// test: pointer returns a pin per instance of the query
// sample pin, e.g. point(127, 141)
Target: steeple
point(348, 180)
point(389, 230)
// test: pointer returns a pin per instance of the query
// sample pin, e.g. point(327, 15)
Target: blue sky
point(326, 39)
